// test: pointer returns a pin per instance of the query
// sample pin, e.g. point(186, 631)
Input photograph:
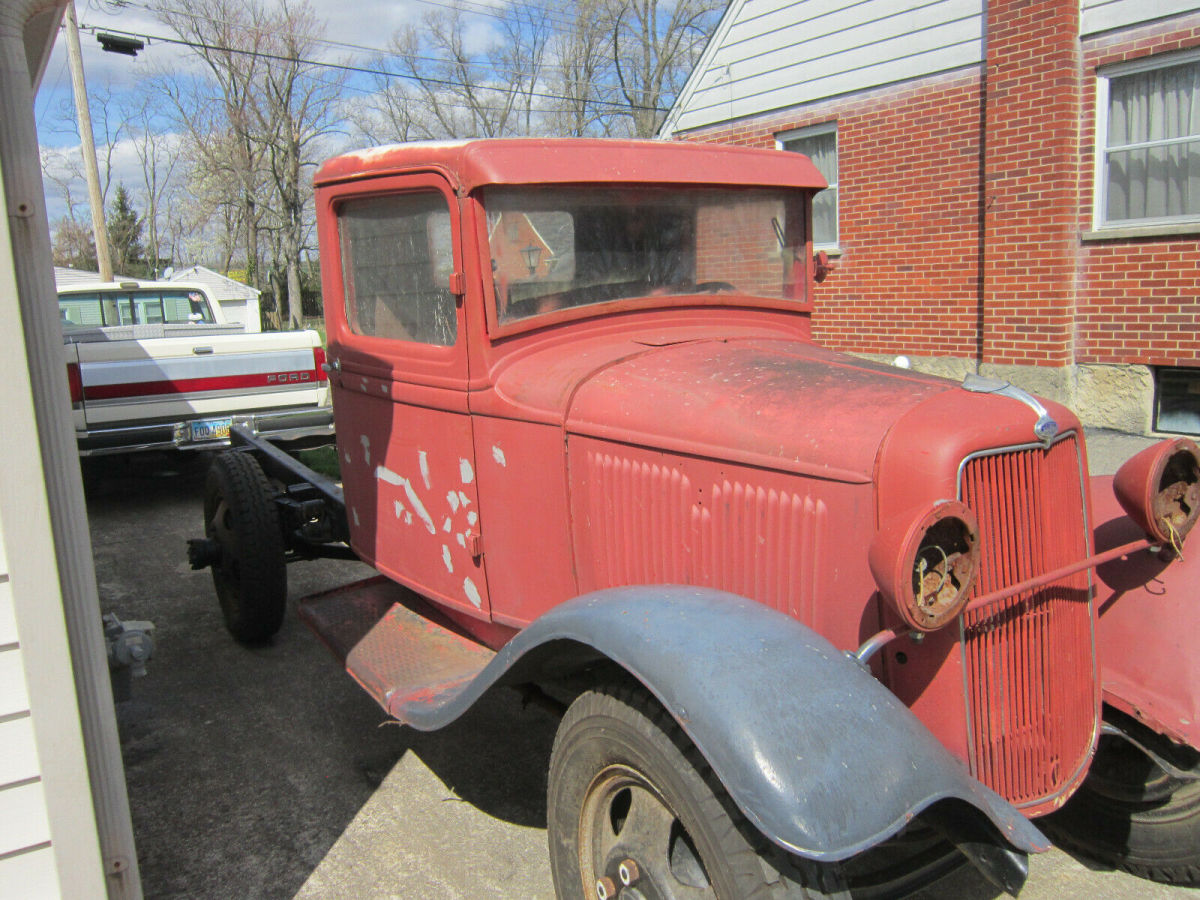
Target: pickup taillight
point(319, 364)
point(75, 381)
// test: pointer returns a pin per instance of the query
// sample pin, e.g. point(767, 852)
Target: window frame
point(1104, 76)
point(810, 131)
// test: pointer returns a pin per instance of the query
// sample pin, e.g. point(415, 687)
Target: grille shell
point(1029, 662)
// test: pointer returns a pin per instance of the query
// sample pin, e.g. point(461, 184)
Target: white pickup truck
point(153, 365)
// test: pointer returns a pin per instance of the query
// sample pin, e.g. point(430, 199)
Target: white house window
point(819, 144)
point(1148, 165)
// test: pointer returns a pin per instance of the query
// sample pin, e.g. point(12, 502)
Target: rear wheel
point(1131, 814)
point(634, 811)
point(250, 575)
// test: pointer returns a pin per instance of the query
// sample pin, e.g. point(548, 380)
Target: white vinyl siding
point(1148, 142)
point(1104, 15)
point(27, 865)
point(769, 55)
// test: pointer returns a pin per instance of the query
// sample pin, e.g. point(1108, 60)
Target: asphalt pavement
point(267, 773)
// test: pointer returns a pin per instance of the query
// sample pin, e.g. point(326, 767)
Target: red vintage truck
point(812, 619)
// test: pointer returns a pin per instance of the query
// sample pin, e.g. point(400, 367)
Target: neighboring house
point(1015, 185)
point(239, 302)
point(64, 816)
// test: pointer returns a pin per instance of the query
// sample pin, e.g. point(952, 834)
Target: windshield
point(553, 248)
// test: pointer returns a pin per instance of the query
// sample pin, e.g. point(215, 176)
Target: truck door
point(399, 355)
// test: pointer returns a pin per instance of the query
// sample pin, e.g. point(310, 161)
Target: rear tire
point(1132, 815)
point(251, 576)
point(626, 785)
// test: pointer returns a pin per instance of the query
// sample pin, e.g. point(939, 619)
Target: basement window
point(1148, 142)
point(1177, 401)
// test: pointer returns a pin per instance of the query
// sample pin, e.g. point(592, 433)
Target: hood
point(777, 403)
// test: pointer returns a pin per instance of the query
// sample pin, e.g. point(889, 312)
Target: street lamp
point(532, 256)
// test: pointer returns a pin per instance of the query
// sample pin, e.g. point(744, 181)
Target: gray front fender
point(820, 756)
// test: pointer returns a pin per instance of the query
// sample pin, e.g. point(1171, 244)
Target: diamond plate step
point(395, 645)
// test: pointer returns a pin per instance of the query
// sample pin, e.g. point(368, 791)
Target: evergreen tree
point(125, 235)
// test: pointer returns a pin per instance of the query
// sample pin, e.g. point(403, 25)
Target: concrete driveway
point(267, 773)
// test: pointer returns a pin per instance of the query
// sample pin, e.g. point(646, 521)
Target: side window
point(397, 257)
point(819, 144)
point(80, 309)
point(1149, 143)
point(184, 307)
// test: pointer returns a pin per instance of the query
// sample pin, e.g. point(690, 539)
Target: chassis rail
point(312, 507)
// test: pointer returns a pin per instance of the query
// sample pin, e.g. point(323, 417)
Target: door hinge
point(475, 545)
point(458, 284)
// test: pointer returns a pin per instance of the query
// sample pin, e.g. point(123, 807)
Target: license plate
point(211, 429)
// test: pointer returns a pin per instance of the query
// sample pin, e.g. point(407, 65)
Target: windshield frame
point(801, 274)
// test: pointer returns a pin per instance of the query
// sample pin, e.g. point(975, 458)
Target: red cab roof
point(472, 164)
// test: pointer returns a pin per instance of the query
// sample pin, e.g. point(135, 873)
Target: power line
point(362, 70)
point(377, 51)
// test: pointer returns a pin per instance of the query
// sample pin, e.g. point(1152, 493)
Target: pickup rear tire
point(632, 804)
point(250, 576)
point(1131, 814)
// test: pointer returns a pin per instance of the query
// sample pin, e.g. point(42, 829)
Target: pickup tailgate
point(197, 376)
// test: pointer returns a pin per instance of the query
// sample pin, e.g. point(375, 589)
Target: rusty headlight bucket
point(925, 566)
point(1159, 489)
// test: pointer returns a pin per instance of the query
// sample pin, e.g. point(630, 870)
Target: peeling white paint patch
point(399, 507)
point(419, 508)
point(424, 460)
point(386, 389)
point(366, 445)
point(354, 513)
point(472, 593)
point(446, 559)
point(446, 525)
point(472, 517)
point(383, 473)
point(464, 500)
point(462, 540)
point(347, 457)
point(498, 456)
point(452, 499)
point(465, 470)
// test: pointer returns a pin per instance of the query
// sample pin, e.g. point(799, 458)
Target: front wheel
point(634, 811)
point(250, 575)
point(1131, 814)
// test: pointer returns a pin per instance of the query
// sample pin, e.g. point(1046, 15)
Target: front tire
point(1132, 815)
point(250, 576)
point(633, 808)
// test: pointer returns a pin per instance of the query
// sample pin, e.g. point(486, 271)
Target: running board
point(398, 647)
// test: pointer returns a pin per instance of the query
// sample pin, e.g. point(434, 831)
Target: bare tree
point(297, 107)
point(593, 67)
point(654, 47)
point(258, 114)
point(159, 157)
point(581, 76)
point(231, 38)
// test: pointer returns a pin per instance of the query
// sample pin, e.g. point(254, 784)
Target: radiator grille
point(1030, 675)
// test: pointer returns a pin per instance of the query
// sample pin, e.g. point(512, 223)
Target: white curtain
point(822, 150)
point(1155, 116)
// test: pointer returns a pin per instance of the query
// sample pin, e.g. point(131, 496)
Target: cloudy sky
point(356, 30)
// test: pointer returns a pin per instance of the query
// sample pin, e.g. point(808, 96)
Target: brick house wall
point(966, 217)
point(1139, 298)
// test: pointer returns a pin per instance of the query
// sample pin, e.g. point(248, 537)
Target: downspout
point(29, 232)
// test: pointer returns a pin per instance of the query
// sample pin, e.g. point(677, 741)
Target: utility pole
point(84, 117)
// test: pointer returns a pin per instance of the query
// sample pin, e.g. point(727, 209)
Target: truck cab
point(810, 598)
